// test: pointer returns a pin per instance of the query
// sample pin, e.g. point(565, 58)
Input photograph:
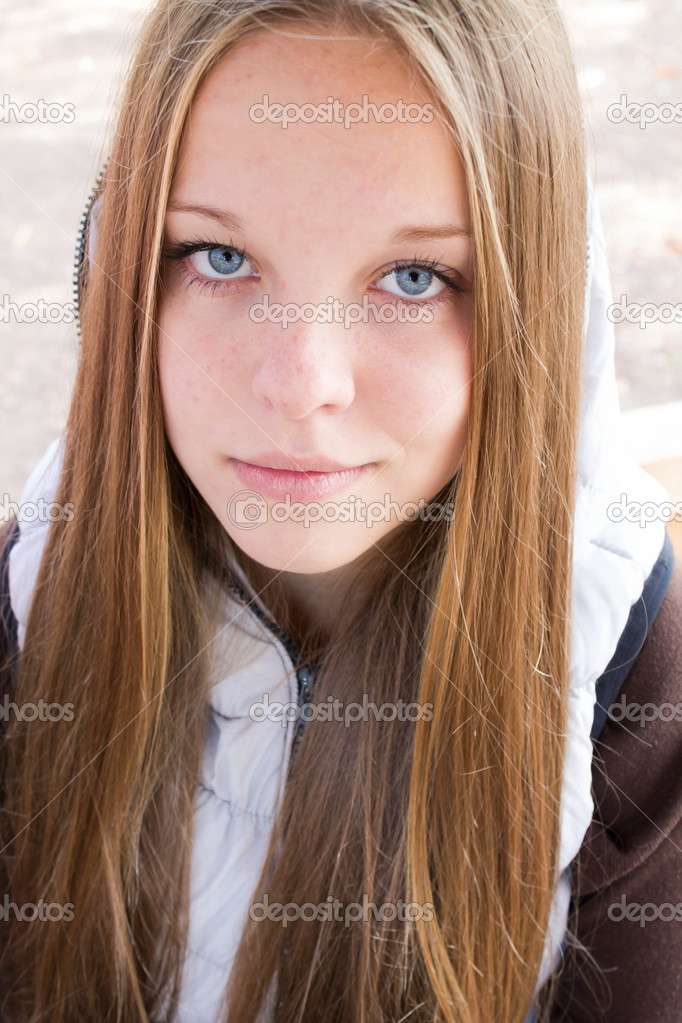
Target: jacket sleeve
point(627, 878)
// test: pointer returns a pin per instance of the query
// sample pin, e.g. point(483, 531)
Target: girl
point(331, 566)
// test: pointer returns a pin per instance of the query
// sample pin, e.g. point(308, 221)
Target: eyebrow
point(225, 217)
point(420, 234)
point(402, 234)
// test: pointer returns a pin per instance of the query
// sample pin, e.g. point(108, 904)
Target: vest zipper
point(304, 675)
point(305, 684)
point(304, 678)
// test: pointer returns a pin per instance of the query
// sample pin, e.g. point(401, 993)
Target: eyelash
point(179, 253)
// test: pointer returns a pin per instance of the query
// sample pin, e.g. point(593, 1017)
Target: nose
point(304, 367)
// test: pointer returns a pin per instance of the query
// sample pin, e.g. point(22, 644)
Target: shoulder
point(639, 750)
point(623, 962)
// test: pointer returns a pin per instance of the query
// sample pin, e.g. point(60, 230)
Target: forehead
point(307, 65)
point(232, 155)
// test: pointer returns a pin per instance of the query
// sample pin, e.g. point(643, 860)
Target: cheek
point(427, 388)
point(200, 368)
point(194, 400)
point(181, 386)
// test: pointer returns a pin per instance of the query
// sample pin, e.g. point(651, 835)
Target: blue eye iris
point(413, 280)
point(218, 258)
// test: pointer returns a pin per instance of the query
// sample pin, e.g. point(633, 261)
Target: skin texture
point(318, 204)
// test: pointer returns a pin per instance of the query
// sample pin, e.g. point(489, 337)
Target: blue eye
point(208, 265)
point(415, 281)
point(224, 261)
point(419, 278)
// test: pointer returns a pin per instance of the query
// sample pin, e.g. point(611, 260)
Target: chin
point(304, 551)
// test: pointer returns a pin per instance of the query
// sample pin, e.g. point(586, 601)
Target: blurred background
point(73, 52)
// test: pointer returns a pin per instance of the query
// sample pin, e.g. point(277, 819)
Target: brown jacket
point(631, 856)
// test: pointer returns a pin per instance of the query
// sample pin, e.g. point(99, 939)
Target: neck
point(312, 607)
point(309, 606)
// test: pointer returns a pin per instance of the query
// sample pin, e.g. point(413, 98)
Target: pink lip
point(297, 463)
point(299, 486)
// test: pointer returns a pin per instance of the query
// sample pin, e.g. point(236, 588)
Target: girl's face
point(368, 368)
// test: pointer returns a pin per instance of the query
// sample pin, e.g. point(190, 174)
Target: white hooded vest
point(245, 761)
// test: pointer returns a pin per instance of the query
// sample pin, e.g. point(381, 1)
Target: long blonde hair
point(472, 616)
